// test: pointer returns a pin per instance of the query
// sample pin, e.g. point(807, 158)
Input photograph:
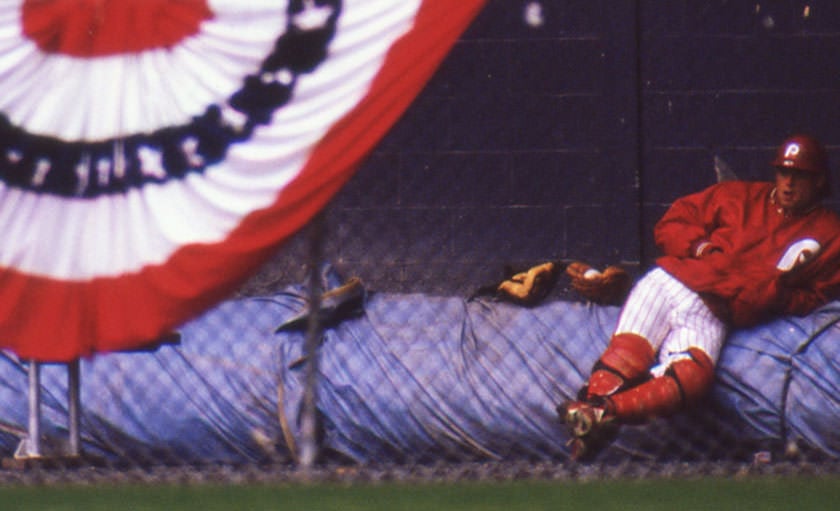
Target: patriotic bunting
point(153, 153)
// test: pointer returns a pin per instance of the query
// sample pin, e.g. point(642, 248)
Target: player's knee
point(694, 375)
point(629, 355)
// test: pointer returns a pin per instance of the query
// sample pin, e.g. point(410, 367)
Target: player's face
point(796, 189)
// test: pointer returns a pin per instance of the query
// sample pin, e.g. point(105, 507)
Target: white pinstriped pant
point(672, 318)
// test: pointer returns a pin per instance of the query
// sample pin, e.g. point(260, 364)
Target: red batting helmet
point(802, 152)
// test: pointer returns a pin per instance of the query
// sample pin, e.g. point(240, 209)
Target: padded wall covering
point(424, 378)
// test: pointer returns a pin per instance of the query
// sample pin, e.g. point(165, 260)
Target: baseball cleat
point(582, 418)
point(577, 448)
point(591, 428)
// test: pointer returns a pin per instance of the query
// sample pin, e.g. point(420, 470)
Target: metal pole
point(309, 426)
point(73, 407)
point(33, 447)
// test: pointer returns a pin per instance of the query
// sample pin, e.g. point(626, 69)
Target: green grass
point(765, 494)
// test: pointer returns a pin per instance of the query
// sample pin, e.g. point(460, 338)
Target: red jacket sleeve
point(769, 298)
point(797, 292)
point(687, 223)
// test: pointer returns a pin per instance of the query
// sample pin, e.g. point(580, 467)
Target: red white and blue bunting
point(153, 153)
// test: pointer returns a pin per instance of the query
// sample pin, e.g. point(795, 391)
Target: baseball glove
point(529, 287)
point(609, 287)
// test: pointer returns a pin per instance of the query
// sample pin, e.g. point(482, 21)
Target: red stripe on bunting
point(59, 321)
point(77, 28)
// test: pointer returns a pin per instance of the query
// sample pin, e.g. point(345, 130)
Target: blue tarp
point(424, 378)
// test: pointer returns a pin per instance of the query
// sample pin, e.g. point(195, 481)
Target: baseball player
point(735, 255)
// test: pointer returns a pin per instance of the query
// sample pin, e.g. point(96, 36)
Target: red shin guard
point(684, 383)
point(627, 358)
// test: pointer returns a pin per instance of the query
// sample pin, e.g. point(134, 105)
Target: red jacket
point(745, 282)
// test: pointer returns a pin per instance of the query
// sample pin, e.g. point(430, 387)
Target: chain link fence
point(410, 369)
point(386, 386)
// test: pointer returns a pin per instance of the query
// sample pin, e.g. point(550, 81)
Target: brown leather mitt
point(530, 286)
point(608, 287)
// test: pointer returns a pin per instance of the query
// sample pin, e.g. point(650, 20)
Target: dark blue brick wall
point(568, 140)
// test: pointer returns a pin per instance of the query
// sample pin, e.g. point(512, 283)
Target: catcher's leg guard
point(627, 359)
point(685, 382)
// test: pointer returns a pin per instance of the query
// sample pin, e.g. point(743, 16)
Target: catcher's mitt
point(529, 287)
point(609, 287)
